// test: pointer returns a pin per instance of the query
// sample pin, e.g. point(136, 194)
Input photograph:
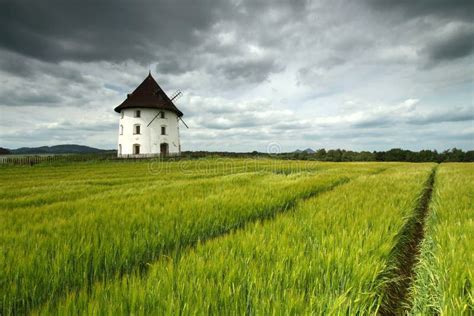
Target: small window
point(136, 149)
point(120, 149)
point(163, 130)
point(121, 129)
point(122, 113)
point(138, 113)
point(162, 114)
point(136, 129)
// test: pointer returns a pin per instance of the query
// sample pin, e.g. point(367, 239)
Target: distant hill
point(58, 149)
point(307, 150)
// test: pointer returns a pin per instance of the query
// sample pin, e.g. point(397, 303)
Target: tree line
point(395, 154)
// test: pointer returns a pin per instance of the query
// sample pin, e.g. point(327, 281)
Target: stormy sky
point(359, 75)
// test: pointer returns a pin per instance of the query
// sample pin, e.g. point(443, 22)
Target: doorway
point(164, 149)
point(136, 149)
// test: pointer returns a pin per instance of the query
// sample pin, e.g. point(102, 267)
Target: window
point(138, 113)
point(136, 149)
point(136, 129)
point(121, 129)
point(162, 114)
point(163, 130)
point(120, 149)
point(122, 113)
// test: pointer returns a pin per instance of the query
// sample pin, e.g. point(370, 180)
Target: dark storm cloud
point(173, 65)
point(444, 27)
point(179, 36)
point(15, 64)
point(25, 67)
point(248, 68)
point(458, 9)
point(113, 30)
point(27, 98)
point(458, 44)
point(251, 71)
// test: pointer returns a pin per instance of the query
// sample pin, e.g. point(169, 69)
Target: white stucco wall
point(150, 137)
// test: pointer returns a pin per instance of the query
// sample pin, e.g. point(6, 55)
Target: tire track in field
point(394, 295)
point(287, 207)
point(180, 250)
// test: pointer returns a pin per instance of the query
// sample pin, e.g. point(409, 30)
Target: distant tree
point(428, 156)
point(379, 155)
point(395, 154)
point(469, 156)
point(320, 154)
point(454, 155)
point(4, 151)
point(334, 155)
point(365, 156)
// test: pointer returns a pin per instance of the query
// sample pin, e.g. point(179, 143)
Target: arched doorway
point(164, 149)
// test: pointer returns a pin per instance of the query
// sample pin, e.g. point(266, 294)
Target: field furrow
point(398, 276)
point(60, 247)
point(325, 257)
point(25, 186)
point(444, 274)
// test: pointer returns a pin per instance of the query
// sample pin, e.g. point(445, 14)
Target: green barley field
point(236, 236)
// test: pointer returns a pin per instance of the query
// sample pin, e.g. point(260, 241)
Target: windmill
point(136, 111)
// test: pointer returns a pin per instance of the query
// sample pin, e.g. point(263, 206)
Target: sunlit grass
point(66, 227)
point(325, 257)
point(230, 236)
point(444, 275)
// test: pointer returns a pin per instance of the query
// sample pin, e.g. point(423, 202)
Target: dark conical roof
point(148, 95)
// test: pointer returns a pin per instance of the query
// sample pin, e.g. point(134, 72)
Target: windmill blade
point(176, 95)
point(183, 122)
point(153, 119)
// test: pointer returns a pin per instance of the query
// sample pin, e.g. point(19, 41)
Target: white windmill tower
point(149, 122)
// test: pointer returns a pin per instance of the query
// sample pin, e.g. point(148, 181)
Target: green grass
point(324, 257)
point(444, 275)
point(66, 227)
point(232, 236)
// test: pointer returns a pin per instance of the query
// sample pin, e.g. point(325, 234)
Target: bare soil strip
point(405, 255)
